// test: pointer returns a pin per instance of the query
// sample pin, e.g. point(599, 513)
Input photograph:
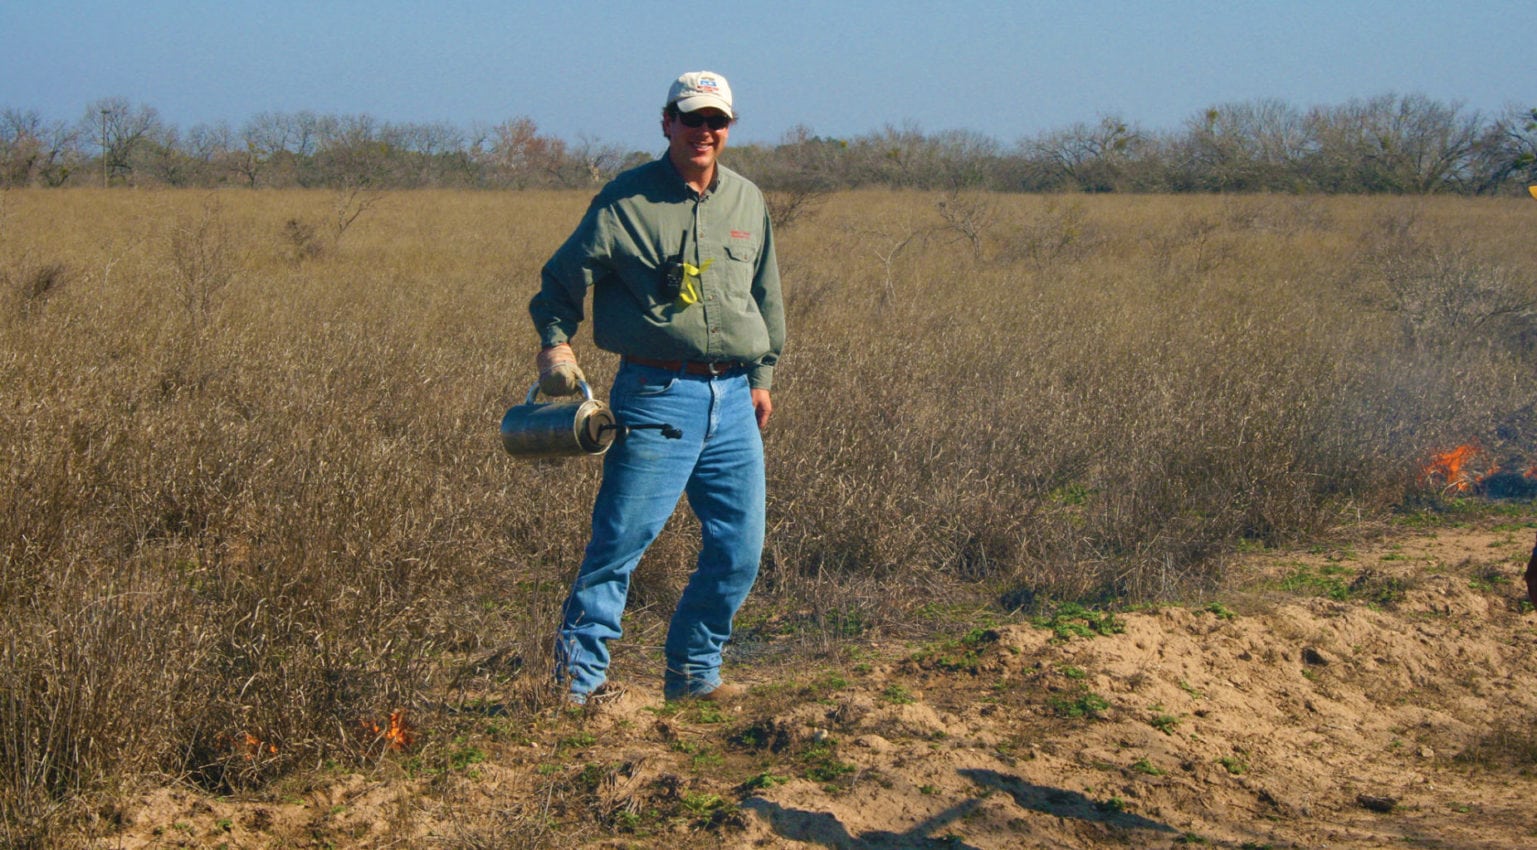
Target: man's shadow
point(826, 830)
point(1062, 803)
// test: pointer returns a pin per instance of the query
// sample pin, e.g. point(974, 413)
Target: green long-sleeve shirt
point(640, 222)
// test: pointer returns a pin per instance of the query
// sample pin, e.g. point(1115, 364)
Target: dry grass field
point(252, 503)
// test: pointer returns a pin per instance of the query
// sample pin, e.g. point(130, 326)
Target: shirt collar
point(672, 168)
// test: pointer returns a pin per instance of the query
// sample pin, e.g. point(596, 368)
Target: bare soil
point(1375, 696)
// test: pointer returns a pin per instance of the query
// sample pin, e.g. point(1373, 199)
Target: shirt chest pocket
point(738, 268)
point(742, 251)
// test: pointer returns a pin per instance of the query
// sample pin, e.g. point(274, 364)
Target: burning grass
point(254, 494)
point(1469, 469)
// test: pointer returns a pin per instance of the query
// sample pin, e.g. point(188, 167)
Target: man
point(679, 256)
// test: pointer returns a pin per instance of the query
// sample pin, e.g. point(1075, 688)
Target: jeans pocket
point(644, 382)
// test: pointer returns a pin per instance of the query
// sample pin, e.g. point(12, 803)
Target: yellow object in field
point(1533, 190)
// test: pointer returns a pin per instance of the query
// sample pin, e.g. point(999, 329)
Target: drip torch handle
point(533, 392)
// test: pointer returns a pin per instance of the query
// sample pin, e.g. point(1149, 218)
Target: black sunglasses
point(696, 119)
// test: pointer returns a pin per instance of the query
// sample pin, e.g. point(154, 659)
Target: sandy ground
point(1380, 696)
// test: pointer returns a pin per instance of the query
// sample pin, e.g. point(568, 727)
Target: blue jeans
point(718, 463)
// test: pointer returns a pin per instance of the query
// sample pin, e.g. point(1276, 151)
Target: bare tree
point(1506, 153)
point(161, 157)
point(970, 215)
point(594, 163)
point(260, 138)
point(350, 152)
point(797, 174)
point(209, 149)
point(894, 156)
point(21, 146)
point(962, 160)
point(278, 148)
point(423, 154)
point(34, 151)
point(1088, 157)
point(1410, 144)
point(120, 129)
point(518, 156)
point(1243, 147)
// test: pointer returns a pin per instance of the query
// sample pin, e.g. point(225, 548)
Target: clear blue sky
point(599, 70)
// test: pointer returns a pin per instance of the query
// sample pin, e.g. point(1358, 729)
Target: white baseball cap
point(701, 89)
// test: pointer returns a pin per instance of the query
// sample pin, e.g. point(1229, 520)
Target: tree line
point(1402, 144)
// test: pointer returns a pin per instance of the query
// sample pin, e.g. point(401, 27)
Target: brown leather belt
point(690, 367)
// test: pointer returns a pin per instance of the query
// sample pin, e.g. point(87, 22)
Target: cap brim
point(704, 101)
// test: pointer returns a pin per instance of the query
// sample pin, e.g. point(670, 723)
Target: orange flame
point(251, 746)
point(397, 733)
point(1452, 468)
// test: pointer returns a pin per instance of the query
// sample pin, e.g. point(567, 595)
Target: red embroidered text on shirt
point(740, 234)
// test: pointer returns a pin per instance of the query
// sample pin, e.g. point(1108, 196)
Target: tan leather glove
point(558, 372)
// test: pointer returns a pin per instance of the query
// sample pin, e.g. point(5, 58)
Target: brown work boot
point(606, 693)
point(723, 693)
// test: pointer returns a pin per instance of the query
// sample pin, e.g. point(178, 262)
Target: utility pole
point(104, 149)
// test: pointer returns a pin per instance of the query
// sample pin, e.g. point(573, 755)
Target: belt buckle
point(715, 368)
